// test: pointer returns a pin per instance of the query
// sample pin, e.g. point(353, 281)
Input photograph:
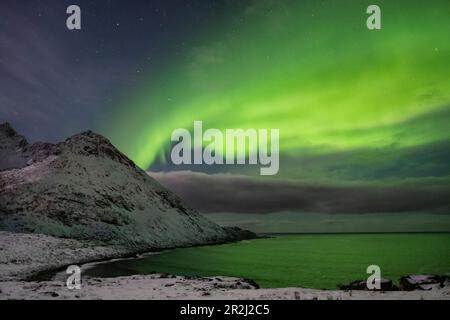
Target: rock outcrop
point(406, 283)
point(84, 188)
point(385, 285)
point(423, 282)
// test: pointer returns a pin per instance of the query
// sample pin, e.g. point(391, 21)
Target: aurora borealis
point(363, 114)
point(311, 69)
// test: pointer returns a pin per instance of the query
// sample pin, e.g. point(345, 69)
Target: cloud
point(233, 193)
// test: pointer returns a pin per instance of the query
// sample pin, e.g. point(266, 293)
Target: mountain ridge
point(84, 188)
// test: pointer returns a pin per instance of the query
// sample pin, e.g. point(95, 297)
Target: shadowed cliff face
point(11, 148)
point(17, 153)
point(85, 188)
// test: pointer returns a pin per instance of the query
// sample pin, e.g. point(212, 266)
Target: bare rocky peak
point(89, 143)
point(9, 138)
point(6, 130)
point(17, 153)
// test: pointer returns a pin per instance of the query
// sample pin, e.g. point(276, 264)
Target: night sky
point(56, 82)
point(363, 115)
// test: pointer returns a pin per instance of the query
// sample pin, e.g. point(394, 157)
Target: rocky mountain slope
point(84, 188)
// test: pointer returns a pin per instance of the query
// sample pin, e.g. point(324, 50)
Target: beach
point(23, 256)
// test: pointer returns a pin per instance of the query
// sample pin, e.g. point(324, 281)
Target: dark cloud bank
point(231, 193)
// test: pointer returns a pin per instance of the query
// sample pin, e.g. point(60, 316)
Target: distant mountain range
point(84, 188)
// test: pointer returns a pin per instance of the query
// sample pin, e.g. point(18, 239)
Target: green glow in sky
point(309, 68)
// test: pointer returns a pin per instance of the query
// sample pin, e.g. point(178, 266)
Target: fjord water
point(314, 261)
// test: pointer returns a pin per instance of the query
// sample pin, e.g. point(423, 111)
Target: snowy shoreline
point(23, 256)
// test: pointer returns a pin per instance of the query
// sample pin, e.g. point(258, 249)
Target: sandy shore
point(23, 255)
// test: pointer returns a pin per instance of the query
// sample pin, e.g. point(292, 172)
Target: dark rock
point(7, 130)
point(252, 283)
point(354, 285)
point(52, 294)
point(11, 147)
point(423, 282)
point(237, 234)
point(386, 285)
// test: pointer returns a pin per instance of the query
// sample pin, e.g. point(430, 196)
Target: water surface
point(315, 261)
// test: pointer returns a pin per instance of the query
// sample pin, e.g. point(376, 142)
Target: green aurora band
point(338, 92)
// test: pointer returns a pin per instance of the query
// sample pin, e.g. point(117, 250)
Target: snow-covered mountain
point(84, 188)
